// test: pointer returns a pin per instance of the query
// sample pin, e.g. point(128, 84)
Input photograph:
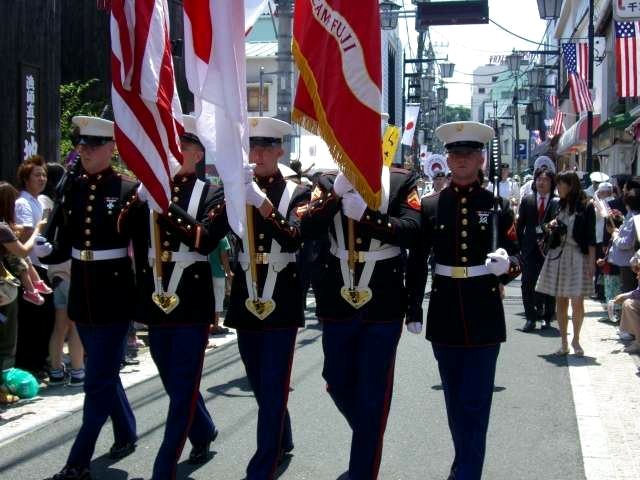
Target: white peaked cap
point(544, 161)
point(189, 124)
point(599, 177)
point(464, 134)
point(93, 126)
point(268, 127)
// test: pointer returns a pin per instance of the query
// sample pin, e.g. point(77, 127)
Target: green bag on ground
point(20, 383)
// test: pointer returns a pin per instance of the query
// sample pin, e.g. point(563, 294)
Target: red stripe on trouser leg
point(385, 416)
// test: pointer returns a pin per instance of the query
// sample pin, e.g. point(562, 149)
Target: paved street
point(535, 432)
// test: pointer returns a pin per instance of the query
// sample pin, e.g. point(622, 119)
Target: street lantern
point(426, 83)
point(514, 60)
point(442, 93)
point(535, 76)
point(447, 69)
point(549, 9)
point(389, 14)
point(537, 106)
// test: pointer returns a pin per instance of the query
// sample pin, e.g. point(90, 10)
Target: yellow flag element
point(390, 142)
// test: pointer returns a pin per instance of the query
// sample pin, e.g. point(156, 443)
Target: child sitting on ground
point(610, 272)
point(630, 318)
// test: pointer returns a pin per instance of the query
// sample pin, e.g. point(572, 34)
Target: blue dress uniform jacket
point(289, 311)
point(201, 234)
point(456, 225)
point(101, 292)
point(398, 226)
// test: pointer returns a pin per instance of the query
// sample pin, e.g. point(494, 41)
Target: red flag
point(336, 45)
point(146, 107)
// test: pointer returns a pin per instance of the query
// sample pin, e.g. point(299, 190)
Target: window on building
point(253, 98)
point(482, 90)
point(494, 79)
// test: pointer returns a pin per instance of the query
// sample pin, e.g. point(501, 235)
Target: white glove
point(255, 196)
point(414, 327)
point(42, 248)
point(353, 206)
point(142, 193)
point(498, 262)
point(342, 185)
point(247, 169)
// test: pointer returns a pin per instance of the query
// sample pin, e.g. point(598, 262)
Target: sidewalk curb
point(13, 435)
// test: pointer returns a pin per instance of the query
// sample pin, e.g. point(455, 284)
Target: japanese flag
point(411, 118)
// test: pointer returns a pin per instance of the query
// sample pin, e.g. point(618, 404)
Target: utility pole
point(285, 69)
point(589, 165)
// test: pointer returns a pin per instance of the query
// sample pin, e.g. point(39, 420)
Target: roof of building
point(261, 49)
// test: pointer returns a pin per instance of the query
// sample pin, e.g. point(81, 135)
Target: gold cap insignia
point(254, 122)
point(459, 128)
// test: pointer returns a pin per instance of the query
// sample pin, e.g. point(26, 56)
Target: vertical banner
point(29, 111)
point(411, 119)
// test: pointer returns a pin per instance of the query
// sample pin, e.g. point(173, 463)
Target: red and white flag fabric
point(336, 45)
point(215, 63)
point(628, 59)
point(574, 55)
point(580, 94)
point(557, 127)
point(146, 107)
point(253, 9)
point(411, 113)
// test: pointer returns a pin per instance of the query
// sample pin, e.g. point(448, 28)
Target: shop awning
point(619, 122)
point(575, 138)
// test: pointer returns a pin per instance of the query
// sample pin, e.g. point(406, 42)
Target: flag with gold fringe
point(336, 45)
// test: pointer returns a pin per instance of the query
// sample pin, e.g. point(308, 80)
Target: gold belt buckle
point(262, 258)
point(166, 256)
point(86, 255)
point(459, 272)
point(358, 257)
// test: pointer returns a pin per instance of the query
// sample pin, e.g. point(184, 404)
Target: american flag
point(557, 127)
point(146, 107)
point(574, 62)
point(627, 58)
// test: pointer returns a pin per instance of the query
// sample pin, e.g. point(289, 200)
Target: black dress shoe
point(121, 450)
point(529, 326)
point(546, 323)
point(200, 453)
point(284, 453)
point(72, 473)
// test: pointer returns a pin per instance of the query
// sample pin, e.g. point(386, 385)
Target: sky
point(470, 46)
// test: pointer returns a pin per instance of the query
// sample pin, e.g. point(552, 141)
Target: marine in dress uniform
point(267, 345)
point(101, 293)
point(465, 321)
point(192, 227)
point(360, 344)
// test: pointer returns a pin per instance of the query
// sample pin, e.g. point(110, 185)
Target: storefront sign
point(29, 110)
point(626, 10)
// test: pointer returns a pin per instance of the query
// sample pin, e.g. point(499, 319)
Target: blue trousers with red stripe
point(467, 375)
point(104, 395)
point(178, 352)
point(359, 363)
point(267, 358)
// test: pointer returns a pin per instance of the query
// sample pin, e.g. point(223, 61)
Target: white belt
point(95, 255)
point(168, 256)
point(366, 256)
point(266, 258)
point(461, 272)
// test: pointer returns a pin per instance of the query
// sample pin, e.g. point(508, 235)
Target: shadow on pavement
point(223, 389)
point(496, 388)
point(185, 469)
point(563, 360)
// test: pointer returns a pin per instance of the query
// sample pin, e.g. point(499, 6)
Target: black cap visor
point(92, 141)
point(464, 147)
point(264, 142)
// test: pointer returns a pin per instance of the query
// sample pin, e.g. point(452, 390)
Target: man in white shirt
point(508, 188)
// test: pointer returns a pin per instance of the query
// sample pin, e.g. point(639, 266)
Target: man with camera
point(536, 210)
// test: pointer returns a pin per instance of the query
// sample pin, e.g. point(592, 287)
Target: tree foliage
point(75, 99)
point(457, 113)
